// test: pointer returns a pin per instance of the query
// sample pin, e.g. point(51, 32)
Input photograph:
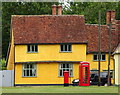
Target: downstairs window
point(65, 67)
point(29, 70)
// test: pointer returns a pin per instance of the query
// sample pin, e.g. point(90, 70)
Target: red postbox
point(84, 70)
point(66, 78)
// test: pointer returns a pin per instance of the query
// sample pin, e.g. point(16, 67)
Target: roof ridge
point(46, 15)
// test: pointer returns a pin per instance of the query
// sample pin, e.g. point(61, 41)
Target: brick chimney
point(110, 17)
point(54, 9)
point(59, 9)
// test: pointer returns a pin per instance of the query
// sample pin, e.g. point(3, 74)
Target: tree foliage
point(3, 64)
point(90, 10)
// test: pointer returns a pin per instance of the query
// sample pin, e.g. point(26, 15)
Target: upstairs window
point(32, 48)
point(102, 57)
point(66, 48)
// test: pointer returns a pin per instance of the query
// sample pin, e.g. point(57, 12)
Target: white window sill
point(32, 52)
point(65, 51)
point(29, 76)
point(63, 76)
point(100, 60)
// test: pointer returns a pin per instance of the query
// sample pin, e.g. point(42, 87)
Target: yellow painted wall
point(47, 73)
point(104, 64)
point(50, 53)
point(10, 64)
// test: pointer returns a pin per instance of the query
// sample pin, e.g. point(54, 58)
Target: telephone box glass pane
point(85, 75)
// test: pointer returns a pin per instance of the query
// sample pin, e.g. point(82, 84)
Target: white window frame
point(34, 70)
point(67, 48)
point(31, 49)
point(100, 57)
point(63, 69)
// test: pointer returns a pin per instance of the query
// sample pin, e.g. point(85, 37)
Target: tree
point(90, 10)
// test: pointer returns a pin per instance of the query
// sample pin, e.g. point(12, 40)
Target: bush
point(3, 64)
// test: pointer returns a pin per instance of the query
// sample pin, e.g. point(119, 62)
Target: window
point(32, 48)
point(65, 67)
point(29, 70)
point(102, 57)
point(65, 48)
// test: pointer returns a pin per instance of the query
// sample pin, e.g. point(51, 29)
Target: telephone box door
point(84, 79)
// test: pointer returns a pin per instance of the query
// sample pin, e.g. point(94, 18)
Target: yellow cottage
point(43, 46)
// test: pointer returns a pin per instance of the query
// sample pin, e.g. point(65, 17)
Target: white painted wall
point(6, 78)
point(117, 65)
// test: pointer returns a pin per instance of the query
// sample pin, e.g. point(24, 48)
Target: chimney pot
point(59, 9)
point(54, 9)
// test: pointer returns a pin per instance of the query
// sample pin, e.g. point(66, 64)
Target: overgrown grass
point(60, 89)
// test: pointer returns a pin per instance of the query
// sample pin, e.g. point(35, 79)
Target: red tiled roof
point(92, 36)
point(48, 29)
point(61, 29)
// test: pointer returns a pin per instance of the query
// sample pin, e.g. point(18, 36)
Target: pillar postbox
point(84, 72)
point(66, 78)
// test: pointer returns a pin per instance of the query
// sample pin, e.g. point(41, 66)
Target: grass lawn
point(60, 89)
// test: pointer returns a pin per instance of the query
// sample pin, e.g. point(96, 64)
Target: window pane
point(32, 48)
point(70, 65)
point(95, 57)
point(66, 48)
point(71, 73)
point(63, 70)
point(69, 47)
point(28, 48)
point(60, 72)
point(36, 48)
point(67, 70)
point(61, 48)
point(31, 65)
point(31, 73)
point(27, 65)
point(103, 56)
point(63, 65)
point(34, 72)
point(24, 73)
point(27, 74)
point(67, 66)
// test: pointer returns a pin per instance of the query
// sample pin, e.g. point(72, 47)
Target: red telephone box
point(66, 78)
point(84, 70)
